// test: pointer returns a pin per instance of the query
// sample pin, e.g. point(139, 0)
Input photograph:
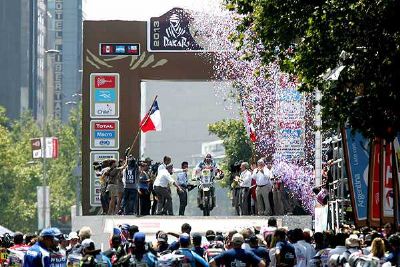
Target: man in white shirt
point(245, 184)
point(263, 176)
point(161, 188)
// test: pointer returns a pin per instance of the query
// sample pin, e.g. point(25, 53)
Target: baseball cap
point(48, 232)
point(162, 237)
point(237, 239)
point(73, 235)
point(125, 227)
point(210, 233)
point(88, 246)
point(139, 237)
point(148, 159)
point(184, 238)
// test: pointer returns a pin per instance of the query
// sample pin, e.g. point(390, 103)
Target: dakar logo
point(175, 33)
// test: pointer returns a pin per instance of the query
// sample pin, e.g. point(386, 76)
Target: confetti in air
point(277, 109)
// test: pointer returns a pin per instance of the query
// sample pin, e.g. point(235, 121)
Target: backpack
point(288, 256)
point(93, 261)
point(130, 261)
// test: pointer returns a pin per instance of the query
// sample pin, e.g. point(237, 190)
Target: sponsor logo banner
point(106, 96)
point(104, 143)
point(95, 184)
point(357, 159)
point(102, 109)
point(104, 135)
point(103, 81)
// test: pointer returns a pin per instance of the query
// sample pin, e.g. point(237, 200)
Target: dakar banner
point(374, 204)
point(387, 185)
point(171, 33)
point(357, 151)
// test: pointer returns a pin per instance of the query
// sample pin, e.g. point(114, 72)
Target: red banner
point(375, 178)
point(387, 185)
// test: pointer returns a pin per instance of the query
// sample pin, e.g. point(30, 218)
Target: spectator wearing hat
point(353, 245)
point(162, 242)
point(140, 253)
point(161, 188)
point(73, 240)
point(39, 254)
point(237, 256)
point(93, 256)
point(191, 257)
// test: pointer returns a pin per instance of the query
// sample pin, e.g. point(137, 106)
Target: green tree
point(318, 40)
point(20, 175)
point(236, 142)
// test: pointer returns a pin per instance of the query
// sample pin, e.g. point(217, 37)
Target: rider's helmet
point(208, 159)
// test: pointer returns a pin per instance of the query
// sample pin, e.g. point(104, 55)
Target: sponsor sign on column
point(104, 135)
point(95, 185)
point(104, 95)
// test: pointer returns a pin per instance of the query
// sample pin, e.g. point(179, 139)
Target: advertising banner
point(104, 95)
point(396, 180)
point(98, 157)
point(51, 148)
point(387, 185)
point(357, 150)
point(374, 205)
point(104, 134)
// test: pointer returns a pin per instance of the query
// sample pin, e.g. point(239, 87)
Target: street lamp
point(77, 171)
point(49, 52)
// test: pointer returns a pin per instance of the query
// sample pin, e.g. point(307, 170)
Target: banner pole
point(141, 124)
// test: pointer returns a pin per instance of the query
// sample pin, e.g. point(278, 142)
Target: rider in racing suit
point(208, 163)
point(39, 254)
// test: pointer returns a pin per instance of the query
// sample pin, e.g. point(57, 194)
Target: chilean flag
point(152, 120)
point(249, 124)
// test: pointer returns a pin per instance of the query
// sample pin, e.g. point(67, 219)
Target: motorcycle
point(206, 194)
point(206, 187)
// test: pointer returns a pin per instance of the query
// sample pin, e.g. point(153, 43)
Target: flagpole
point(140, 126)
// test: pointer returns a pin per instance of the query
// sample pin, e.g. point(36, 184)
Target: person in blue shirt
point(285, 252)
point(39, 254)
point(190, 257)
point(140, 254)
point(261, 252)
point(237, 256)
point(143, 189)
point(394, 255)
point(197, 248)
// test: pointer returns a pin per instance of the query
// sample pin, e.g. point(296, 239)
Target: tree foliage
point(20, 174)
point(236, 142)
point(312, 39)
